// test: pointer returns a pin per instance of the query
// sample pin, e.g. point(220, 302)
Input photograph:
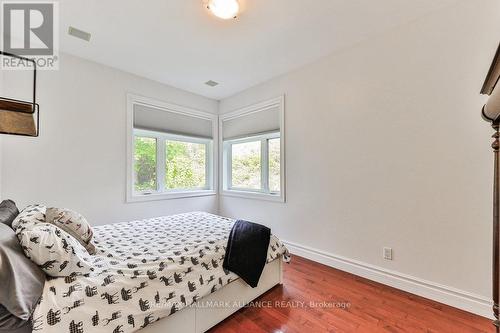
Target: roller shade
point(161, 120)
point(263, 121)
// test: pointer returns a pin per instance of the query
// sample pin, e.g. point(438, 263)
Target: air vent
point(79, 34)
point(211, 83)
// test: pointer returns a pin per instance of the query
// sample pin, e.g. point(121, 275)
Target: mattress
point(147, 270)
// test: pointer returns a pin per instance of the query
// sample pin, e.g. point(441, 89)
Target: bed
point(155, 275)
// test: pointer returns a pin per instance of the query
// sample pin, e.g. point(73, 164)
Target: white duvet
point(149, 270)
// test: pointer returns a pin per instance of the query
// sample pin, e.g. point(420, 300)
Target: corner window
point(252, 145)
point(170, 152)
point(255, 164)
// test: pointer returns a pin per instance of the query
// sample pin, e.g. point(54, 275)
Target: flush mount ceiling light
point(224, 9)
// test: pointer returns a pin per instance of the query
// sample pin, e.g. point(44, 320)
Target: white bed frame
point(195, 319)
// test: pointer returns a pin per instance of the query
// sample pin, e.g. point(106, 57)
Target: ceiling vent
point(79, 34)
point(211, 83)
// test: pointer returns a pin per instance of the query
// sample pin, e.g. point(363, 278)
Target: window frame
point(211, 152)
point(225, 187)
point(263, 139)
point(161, 139)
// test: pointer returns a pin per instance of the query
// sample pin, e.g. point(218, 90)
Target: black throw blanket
point(246, 251)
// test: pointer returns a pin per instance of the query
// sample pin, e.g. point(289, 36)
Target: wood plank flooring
point(343, 302)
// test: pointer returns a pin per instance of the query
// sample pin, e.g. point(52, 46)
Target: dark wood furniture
point(491, 113)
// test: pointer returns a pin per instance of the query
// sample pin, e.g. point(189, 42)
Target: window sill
point(169, 195)
point(254, 195)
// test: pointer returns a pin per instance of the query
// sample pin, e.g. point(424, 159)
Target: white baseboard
point(444, 294)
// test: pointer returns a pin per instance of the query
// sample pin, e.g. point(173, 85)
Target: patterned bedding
point(146, 270)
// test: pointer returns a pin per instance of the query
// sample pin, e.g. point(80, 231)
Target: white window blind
point(161, 120)
point(260, 122)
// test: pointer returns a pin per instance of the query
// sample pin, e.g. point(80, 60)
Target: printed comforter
point(146, 270)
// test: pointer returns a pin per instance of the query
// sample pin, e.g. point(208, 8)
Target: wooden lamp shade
point(17, 118)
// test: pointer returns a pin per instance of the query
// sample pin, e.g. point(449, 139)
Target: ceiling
point(179, 43)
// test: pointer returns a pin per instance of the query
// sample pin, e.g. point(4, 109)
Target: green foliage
point(145, 164)
point(274, 165)
point(185, 165)
point(246, 165)
point(245, 171)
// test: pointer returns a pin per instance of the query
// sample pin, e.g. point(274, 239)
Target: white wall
point(79, 160)
point(386, 147)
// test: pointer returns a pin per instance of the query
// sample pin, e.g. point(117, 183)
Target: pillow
point(74, 224)
point(29, 216)
point(8, 212)
point(22, 280)
point(54, 251)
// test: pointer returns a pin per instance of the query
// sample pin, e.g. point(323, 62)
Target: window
point(170, 151)
point(145, 164)
point(186, 165)
point(254, 163)
point(246, 165)
point(180, 161)
point(274, 164)
point(252, 146)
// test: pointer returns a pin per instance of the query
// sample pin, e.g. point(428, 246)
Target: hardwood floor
point(357, 305)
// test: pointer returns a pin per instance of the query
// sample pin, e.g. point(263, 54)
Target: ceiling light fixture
point(224, 9)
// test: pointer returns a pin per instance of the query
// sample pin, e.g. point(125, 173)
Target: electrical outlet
point(387, 253)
